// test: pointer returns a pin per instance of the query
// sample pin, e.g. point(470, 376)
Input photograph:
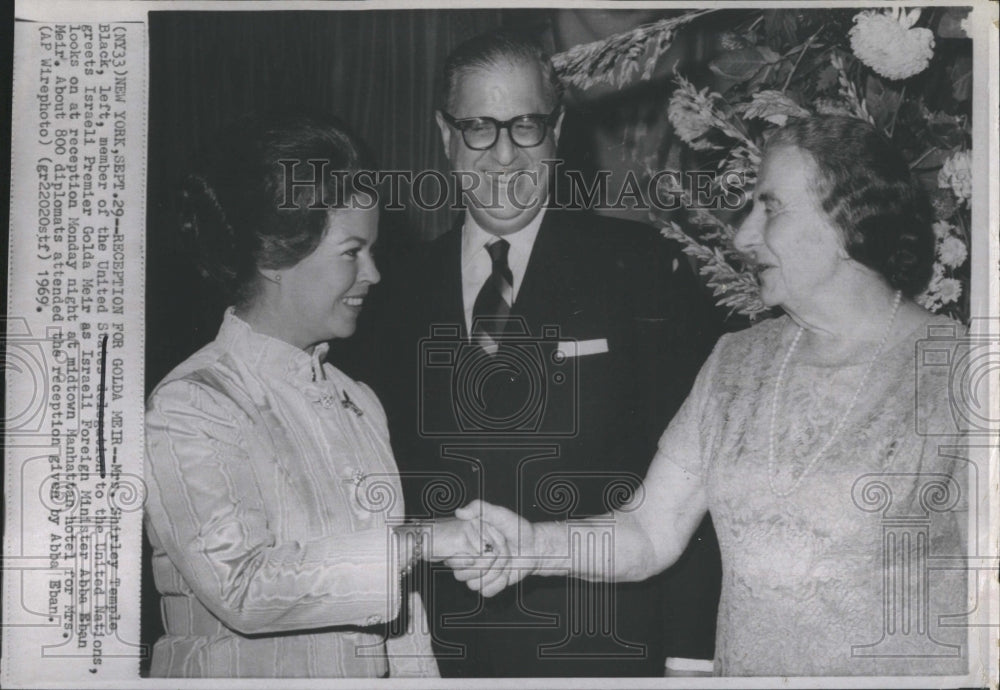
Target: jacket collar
point(270, 356)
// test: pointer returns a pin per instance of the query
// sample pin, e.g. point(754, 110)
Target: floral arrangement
point(616, 60)
point(907, 72)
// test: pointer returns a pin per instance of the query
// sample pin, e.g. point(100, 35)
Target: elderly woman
point(273, 492)
point(800, 436)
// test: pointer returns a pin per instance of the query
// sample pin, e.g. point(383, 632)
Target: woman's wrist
point(412, 545)
point(547, 548)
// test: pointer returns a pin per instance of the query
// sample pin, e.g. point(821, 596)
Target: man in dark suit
point(547, 349)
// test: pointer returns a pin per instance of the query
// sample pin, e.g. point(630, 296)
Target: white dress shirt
point(477, 264)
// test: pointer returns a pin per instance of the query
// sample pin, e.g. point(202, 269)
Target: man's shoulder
point(596, 224)
point(613, 235)
point(620, 226)
point(448, 242)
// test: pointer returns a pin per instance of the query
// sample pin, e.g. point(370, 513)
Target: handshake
point(488, 547)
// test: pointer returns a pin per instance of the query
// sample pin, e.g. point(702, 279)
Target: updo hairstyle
point(864, 185)
point(234, 209)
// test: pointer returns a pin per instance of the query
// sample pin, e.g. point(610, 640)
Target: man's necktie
point(492, 307)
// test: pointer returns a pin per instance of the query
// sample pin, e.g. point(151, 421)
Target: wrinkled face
point(795, 245)
point(322, 295)
point(509, 184)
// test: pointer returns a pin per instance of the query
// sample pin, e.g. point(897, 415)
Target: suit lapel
point(446, 276)
point(547, 290)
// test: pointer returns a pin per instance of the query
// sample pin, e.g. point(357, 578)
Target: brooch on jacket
point(328, 401)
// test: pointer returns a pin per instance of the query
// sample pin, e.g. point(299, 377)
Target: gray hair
point(495, 49)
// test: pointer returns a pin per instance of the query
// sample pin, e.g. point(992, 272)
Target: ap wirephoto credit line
point(436, 345)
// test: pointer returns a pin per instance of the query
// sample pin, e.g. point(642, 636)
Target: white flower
point(949, 290)
point(690, 112)
point(927, 301)
point(888, 43)
point(940, 291)
point(966, 25)
point(943, 229)
point(956, 173)
point(930, 299)
point(953, 252)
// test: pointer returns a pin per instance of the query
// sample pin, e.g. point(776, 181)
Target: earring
point(277, 277)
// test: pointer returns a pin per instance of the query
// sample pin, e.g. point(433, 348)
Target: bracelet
point(416, 550)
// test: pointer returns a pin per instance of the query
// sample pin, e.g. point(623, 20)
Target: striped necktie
point(493, 303)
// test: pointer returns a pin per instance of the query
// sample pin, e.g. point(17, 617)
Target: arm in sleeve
point(207, 510)
point(675, 483)
point(651, 531)
point(411, 654)
point(691, 587)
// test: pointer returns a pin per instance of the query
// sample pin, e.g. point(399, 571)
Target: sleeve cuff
point(697, 665)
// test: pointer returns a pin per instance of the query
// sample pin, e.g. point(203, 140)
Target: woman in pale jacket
point(274, 508)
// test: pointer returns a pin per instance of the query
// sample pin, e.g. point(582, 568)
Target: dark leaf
point(762, 77)
point(780, 26)
point(933, 161)
point(741, 65)
point(731, 40)
point(826, 79)
point(927, 179)
point(950, 25)
point(960, 74)
point(768, 55)
point(882, 100)
point(947, 130)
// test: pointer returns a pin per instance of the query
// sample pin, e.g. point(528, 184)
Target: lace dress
point(815, 583)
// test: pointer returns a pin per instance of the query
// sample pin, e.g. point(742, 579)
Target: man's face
point(509, 184)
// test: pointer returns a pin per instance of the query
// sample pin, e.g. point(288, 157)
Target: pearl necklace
point(840, 423)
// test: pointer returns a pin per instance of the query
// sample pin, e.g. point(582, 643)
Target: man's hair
point(865, 186)
point(495, 49)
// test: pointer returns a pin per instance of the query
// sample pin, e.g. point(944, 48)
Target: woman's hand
point(505, 527)
point(473, 548)
point(452, 538)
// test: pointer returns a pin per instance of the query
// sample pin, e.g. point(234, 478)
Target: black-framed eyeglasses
point(481, 133)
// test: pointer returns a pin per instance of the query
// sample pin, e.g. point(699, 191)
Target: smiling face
point(797, 249)
point(321, 296)
point(511, 183)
